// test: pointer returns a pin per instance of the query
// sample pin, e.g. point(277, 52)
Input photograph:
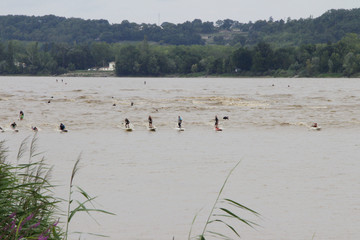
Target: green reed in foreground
point(28, 209)
point(81, 206)
point(222, 210)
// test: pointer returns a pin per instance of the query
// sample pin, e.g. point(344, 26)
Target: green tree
point(242, 59)
point(101, 53)
point(128, 61)
point(263, 57)
point(10, 60)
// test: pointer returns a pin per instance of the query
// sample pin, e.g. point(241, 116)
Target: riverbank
point(85, 73)
point(282, 74)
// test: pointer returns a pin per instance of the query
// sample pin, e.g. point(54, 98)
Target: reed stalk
point(225, 213)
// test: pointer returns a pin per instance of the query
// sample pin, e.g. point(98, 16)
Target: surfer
point(314, 125)
point(127, 123)
point(150, 122)
point(13, 125)
point(21, 115)
point(179, 121)
point(35, 129)
point(62, 127)
point(216, 122)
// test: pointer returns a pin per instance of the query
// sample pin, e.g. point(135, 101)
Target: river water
point(304, 183)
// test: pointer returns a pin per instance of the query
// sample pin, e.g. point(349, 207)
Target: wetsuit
point(179, 122)
point(150, 122)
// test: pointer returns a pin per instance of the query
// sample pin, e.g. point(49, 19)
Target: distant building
point(20, 64)
point(111, 67)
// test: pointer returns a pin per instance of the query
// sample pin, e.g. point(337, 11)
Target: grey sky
point(175, 11)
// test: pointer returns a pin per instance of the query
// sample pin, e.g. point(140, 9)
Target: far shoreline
point(105, 74)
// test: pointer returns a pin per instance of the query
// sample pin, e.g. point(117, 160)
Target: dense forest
point(50, 45)
point(143, 59)
point(329, 27)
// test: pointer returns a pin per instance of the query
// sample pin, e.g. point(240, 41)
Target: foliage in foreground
point(222, 212)
point(28, 209)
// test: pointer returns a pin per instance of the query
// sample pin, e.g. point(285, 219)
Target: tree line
point(308, 60)
point(332, 26)
point(146, 59)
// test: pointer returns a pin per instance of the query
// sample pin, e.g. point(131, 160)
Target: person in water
point(21, 115)
point(13, 125)
point(150, 122)
point(62, 127)
point(314, 125)
point(216, 122)
point(35, 129)
point(127, 123)
point(179, 121)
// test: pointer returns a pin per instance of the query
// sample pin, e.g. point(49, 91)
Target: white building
point(111, 67)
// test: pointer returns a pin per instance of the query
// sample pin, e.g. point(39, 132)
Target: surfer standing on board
point(150, 122)
point(179, 121)
point(127, 123)
point(216, 122)
point(21, 115)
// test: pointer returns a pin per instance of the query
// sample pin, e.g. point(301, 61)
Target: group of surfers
point(150, 121)
point(21, 117)
point(127, 123)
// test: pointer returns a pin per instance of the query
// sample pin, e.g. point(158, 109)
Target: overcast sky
point(175, 11)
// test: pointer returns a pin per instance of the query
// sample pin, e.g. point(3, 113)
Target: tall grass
point(28, 209)
point(221, 213)
point(27, 206)
point(81, 206)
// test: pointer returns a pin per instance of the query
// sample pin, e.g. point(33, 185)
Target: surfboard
point(218, 129)
point(318, 128)
point(152, 129)
point(180, 129)
point(128, 129)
